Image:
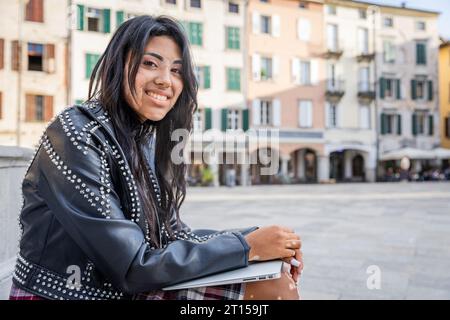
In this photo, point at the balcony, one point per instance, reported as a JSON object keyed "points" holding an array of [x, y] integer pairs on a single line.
{"points": [[365, 57], [333, 53], [335, 89], [366, 90]]}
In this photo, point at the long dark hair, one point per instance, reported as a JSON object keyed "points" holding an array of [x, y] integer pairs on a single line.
{"points": [[106, 86]]}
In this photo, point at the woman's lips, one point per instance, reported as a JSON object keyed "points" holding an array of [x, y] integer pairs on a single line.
{"points": [[161, 103]]}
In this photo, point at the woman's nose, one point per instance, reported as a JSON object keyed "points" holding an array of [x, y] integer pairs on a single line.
{"points": [[163, 78]]}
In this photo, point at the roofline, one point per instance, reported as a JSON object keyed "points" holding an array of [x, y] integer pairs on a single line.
{"points": [[382, 6]]}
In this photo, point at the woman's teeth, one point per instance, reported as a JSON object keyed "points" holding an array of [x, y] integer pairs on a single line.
{"points": [[156, 96]]}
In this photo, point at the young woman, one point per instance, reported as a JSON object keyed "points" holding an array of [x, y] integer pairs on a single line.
{"points": [[100, 217]]}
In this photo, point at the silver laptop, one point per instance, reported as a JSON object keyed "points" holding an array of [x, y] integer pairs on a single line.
{"points": [[255, 271]]}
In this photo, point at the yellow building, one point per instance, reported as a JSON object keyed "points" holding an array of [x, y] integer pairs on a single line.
{"points": [[444, 89]]}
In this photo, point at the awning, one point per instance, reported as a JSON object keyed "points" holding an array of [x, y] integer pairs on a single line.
{"points": [[416, 154]]}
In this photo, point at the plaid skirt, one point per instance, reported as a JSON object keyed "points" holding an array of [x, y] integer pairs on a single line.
{"points": [[226, 292]]}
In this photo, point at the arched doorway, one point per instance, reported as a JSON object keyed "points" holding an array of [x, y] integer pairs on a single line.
{"points": [[337, 165], [358, 168], [262, 160]]}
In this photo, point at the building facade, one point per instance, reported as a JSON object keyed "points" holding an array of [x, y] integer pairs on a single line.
{"points": [[33, 73], [444, 92]]}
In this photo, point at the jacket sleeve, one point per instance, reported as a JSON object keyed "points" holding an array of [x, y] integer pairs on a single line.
{"points": [[185, 229], [74, 181]]}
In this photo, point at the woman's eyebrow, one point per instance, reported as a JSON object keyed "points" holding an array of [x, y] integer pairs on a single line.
{"points": [[160, 57]]}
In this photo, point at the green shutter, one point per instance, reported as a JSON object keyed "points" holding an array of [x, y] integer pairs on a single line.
{"points": [[233, 39], [79, 101], [398, 84], [421, 55], [200, 34], [106, 20], [224, 119], [207, 77], [414, 124], [430, 125], [399, 124], [430, 90], [80, 17], [383, 124], [196, 33], [233, 79], [91, 61], [413, 89], [120, 18], [208, 118], [245, 119], [382, 87]]}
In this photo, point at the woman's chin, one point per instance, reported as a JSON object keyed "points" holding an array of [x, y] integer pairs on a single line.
{"points": [[156, 116]]}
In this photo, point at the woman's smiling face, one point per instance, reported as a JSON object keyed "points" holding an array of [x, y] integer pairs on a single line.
{"points": [[158, 81]]}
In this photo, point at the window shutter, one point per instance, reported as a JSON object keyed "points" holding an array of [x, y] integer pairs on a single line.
{"points": [[120, 18], [447, 127], [207, 77], [256, 20], [413, 89], [80, 17], [48, 108], [276, 66], [414, 124], [399, 89], [430, 125], [383, 124], [15, 55], [2, 49], [303, 29], [276, 26], [256, 112], [30, 107], [224, 119], [382, 87], [295, 70], [430, 90], [314, 71], [276, 114], [50, 57], [256, 67], [399, 124], [106, 20], [245, 123], [208, 118]]}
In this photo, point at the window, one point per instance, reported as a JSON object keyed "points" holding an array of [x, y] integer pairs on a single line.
{"points": [[304, 30], [390, 88], [332, 37], [197, 120], [93, 19], [305, 72], [233, 7], [196, 3], [331, 10], [447, 127], [34, 11], [265, 112], [363, 41], [388, 22], [232, 119], [421, 89], [305, 114], [362, 14], [364, 79], [266, 1], [196, 33], [2, 49], [233, 38], [388, 51], [38, 108], [171, 1], [303, 5], [266, 68], [35, 57], [421, 25], [91, 61], [332, 114], [122, 16], [266, 25], [391, 123], [364, 117], [203, 75], [233, 79], [422, 123], [421, 53]]}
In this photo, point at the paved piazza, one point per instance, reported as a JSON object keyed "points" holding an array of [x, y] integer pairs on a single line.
{"points": [[393, 238]]}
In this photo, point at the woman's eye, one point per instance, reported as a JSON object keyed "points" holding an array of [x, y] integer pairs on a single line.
{"points": [[177, 71], [149, 63]]}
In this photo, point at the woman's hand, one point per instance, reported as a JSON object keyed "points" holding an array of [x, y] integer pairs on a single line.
{"points": [[273, 242]]}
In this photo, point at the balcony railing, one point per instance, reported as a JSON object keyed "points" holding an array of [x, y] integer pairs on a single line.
{"points": [[335, 88], [333, 53], [366, 90], [365, 57]]}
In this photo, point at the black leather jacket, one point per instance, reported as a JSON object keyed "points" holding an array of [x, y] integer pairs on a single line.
{"points": [[83, 233]]}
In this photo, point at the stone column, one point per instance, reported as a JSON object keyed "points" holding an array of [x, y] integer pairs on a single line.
{"points": [[348, 170], [323, 168]]}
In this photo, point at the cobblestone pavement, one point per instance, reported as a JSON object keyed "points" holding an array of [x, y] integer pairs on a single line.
{"points": [[402, 228]]}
